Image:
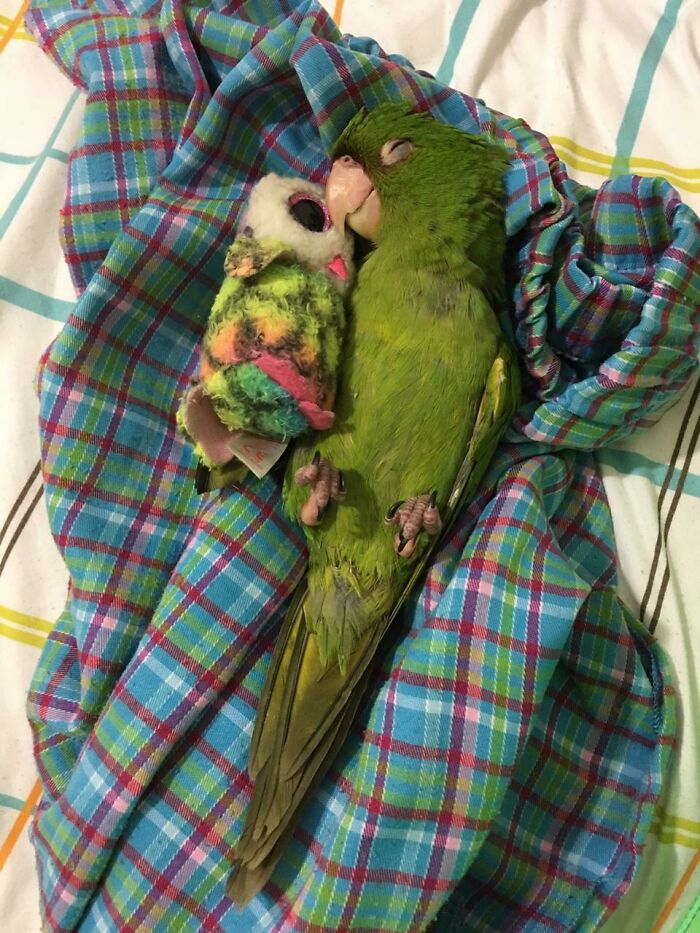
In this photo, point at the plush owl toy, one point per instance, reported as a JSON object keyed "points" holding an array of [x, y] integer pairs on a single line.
{"points": [[272, 345]]}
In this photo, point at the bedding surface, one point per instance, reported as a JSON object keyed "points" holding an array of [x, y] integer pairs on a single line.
{"points": [[613, 97]]}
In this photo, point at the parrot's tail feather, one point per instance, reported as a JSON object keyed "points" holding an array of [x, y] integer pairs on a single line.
{"points": [[308, 704], [259, 752], [249, 878], [341, 609]]}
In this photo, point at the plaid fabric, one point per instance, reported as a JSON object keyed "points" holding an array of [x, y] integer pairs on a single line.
{"points": [[521, 726]]}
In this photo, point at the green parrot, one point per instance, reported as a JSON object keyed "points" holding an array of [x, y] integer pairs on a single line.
{"points": [[427, 387]]}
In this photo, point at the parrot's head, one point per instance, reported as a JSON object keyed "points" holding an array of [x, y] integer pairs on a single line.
{"points": [[286, 219], [400, 173]]}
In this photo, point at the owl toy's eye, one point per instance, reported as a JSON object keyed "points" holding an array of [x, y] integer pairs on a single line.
{"points": [[395, 150], [309, 213]]}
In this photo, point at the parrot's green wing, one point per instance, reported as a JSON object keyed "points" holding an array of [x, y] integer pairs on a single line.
{"points": [[499, 402], [498, 405]]}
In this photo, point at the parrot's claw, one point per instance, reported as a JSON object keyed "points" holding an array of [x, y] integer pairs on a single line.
{"points": [[419, 513], [327, 485], [392, 511]]}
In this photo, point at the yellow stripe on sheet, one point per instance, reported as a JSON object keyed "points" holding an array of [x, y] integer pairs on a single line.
{"points": [[36, 641], [599, 163], [338, 12], [24, 628], [674, 838], [16, 829], [678, 822], [14, 24], [22, 34], [676, 830]]}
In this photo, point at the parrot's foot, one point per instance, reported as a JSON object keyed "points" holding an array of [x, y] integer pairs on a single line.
{"points": [[413, 516], [326, 483]]}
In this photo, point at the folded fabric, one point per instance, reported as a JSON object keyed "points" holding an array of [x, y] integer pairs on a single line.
{"points": [[506, 763]]}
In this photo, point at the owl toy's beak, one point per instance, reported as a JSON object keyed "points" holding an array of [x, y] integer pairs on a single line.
{"points": [[351, 198], [337, 267]]}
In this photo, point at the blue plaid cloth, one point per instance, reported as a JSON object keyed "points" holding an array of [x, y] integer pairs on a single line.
{"points": [[503, 770]]}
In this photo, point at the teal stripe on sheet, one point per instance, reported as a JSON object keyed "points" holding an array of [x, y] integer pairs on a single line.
{"points": [[629, 463], [16, 202], [458, 31], [53, 308], [27, 160], [636, 105], [13, 803]]}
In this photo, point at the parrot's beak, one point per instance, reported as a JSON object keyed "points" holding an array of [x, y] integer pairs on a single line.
{"points": [[351, 198]]}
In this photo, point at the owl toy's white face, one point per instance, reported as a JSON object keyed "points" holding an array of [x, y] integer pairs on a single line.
{"points": [[294, 211]]}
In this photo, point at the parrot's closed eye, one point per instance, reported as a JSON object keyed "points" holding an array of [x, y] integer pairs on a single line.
{"points": [[395, 150], [309, 213]]}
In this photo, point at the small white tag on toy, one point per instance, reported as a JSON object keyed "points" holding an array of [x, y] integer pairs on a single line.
{"points": [[258, 453]]}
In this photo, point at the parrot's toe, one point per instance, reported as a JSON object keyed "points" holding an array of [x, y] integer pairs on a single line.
{"points": [[327, 485], [419, 513]]}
